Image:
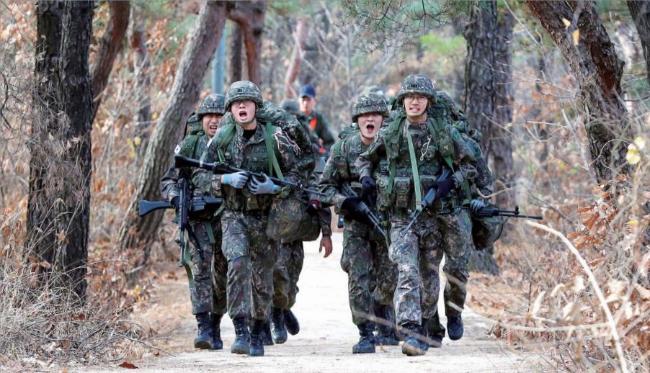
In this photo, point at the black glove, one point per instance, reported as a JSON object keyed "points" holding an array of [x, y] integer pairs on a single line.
{"points": [[444, 186], [352, 208], [369, 190], [476, 205], [175, 202]]}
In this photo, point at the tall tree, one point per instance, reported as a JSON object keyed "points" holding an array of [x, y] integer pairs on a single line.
{"points": [[640, 11], [577, 30], [137, 233], [60, 164], [110, 46], [249, 16], [500, 138], [488, 98]]}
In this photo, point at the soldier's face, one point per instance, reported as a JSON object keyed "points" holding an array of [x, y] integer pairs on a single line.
{"points": [[243, 111], [210, 123], [415, 105], [307, 104], [369, 124]]}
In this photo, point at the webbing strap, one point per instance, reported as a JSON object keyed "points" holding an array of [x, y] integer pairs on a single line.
{"points": [[414, 170], [270, 152]]}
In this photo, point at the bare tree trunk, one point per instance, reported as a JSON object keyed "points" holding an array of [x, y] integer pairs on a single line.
{"points": [[501, 139], [598, 70], [299, 36], [640, 11], [480, 70], [110, 46], [60, 164], [250, 19], [236, 43], [138, 41], [137, 233]]}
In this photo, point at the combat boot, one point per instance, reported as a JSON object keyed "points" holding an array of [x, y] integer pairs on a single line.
{"points": [[217, 343], [455, 327], [203, 338], [241, 345], [279, 332], [433, 331], [366, 344], [386, 326], [290, 321], [413, 346], [257, 344], [267, 340]]}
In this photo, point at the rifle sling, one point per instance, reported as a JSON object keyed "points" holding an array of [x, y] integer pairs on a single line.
{"points": [[414, 171]]}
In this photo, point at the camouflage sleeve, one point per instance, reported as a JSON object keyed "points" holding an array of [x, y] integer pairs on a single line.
{"points": [[368, 159], [329, 181], [325, 218], [168, 187], [324, 132], [206, 181]]}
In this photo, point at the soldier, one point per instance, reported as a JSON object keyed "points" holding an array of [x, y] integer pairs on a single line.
{"points": [[314, 119], [207, 285], [456, 224], [416, 147], [290, 254], [247, 142], [365, 254]]}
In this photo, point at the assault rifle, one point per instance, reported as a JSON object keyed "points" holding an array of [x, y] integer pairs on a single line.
{"points": [[222, 168], [347, 191], [444, 184], [197, 205], [489, 211]]}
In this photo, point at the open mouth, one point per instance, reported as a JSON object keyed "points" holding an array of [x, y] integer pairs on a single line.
{"points": [[370, 127], [213, 126], [242, 114]]}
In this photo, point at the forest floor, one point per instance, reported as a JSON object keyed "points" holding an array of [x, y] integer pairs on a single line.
{"points": [[325, 341]]}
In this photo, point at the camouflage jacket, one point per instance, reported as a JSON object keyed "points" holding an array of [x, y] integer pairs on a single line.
{"points": [[341, 169], [231, 147], [193, 146], [436, 144]]}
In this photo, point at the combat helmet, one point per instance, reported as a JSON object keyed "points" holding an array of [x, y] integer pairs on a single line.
{"points": [[213, 104], [370, 103], [193, 123], [416, 83], [243, 90]]}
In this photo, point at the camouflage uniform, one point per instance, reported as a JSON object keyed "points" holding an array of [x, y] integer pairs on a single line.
{"points": [[207, 263], [371, 275], [245, 244], [417, 252], [455, 223], [290, 255]]}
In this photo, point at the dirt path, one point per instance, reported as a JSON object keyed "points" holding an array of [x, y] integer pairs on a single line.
{"points": [[327, 334]]}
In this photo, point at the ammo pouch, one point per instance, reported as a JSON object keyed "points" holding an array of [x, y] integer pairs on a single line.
{"points": [[289, 221], [402, 191]]}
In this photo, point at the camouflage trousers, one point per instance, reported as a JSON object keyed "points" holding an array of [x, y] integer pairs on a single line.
{"points": [[250, 264], [371, 275], [417, 257], [288, 265], [456, 243], [208, 285]]}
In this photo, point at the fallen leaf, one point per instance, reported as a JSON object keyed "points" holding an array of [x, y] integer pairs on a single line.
{"points": [[566, 22], [576, 37], [127, 365]]}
